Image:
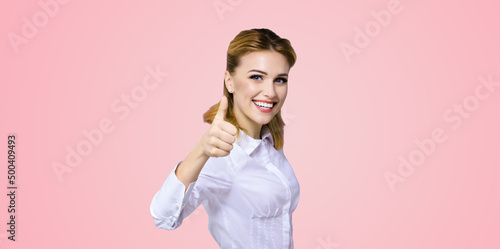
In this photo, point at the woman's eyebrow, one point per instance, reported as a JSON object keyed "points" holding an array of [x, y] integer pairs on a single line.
{"points": [[264, 73]]}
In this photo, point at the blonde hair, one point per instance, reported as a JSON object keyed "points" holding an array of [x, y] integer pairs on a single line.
{"points": [[245, 42]]}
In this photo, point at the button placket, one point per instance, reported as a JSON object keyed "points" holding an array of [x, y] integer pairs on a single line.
{"points": [[286, 208]]}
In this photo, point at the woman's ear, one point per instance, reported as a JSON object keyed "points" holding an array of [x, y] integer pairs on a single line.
{"points": [[228, 81]]}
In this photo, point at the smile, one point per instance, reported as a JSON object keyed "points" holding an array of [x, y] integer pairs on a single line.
{"points": [[264, 106]]}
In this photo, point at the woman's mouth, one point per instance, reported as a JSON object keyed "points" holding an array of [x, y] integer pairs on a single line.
{"points": [[264, 107]]}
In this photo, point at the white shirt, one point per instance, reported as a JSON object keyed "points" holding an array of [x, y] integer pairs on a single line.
{"points": [[249, 196]]}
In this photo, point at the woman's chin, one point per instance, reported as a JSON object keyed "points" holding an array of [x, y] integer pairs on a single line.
{"points": [[263, 121]]}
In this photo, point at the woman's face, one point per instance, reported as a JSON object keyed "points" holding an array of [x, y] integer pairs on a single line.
{"points": [[259, 87]]}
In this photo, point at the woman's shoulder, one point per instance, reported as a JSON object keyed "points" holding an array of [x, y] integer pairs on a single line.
{"points": [[230, 163], [216, 165], [216, 173]]}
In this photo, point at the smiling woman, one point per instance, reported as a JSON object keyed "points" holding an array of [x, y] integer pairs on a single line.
{"points": [[258, 95], [238, 169], [252, 54]]}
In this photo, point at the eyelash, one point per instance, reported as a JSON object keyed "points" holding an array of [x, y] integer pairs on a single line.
{"points": [[283, 79]]}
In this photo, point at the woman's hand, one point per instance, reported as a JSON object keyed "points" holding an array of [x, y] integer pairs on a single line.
{"points": [[219, 138]]}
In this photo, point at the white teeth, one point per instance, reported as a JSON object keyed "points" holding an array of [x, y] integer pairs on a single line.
{"points": [[263, 105]]}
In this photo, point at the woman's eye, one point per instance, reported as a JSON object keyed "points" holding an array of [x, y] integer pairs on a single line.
{"points": [[283, 80], [280, 80], [253, 77]]}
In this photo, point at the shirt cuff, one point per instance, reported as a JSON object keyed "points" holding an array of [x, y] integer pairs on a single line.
{"points": [[168, 203]]}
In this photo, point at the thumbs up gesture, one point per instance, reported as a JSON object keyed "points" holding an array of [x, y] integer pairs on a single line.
{"points": [[219, 138]]}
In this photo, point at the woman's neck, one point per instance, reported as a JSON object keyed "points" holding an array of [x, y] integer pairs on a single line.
{"points": [[254, 132]]}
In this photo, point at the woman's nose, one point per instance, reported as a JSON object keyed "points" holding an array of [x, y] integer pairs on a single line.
{"points": [[269, 90]]}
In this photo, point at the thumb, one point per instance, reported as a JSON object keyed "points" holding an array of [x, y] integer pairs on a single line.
{"points": [[221, 113]]}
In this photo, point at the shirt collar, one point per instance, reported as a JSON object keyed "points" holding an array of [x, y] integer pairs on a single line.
{"points": [[249, 144]]}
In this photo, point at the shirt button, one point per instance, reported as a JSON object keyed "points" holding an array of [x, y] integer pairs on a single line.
{"points": [[177, 205], [171, 218]]}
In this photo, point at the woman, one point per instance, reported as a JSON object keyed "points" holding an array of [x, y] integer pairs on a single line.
{"points": [[238, 170]]}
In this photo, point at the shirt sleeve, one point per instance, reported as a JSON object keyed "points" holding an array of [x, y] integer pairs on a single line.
{"points": [[168, 206], [171, 204]]}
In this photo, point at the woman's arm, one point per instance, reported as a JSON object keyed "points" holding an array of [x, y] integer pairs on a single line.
{"points": [[179, 196], [216, 142], [189, 169]]}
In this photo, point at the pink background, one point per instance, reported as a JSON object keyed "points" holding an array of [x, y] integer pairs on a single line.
{"points": [[349, 118]]}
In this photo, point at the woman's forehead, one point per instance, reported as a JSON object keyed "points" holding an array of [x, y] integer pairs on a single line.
{"points": [[270, 62]]}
